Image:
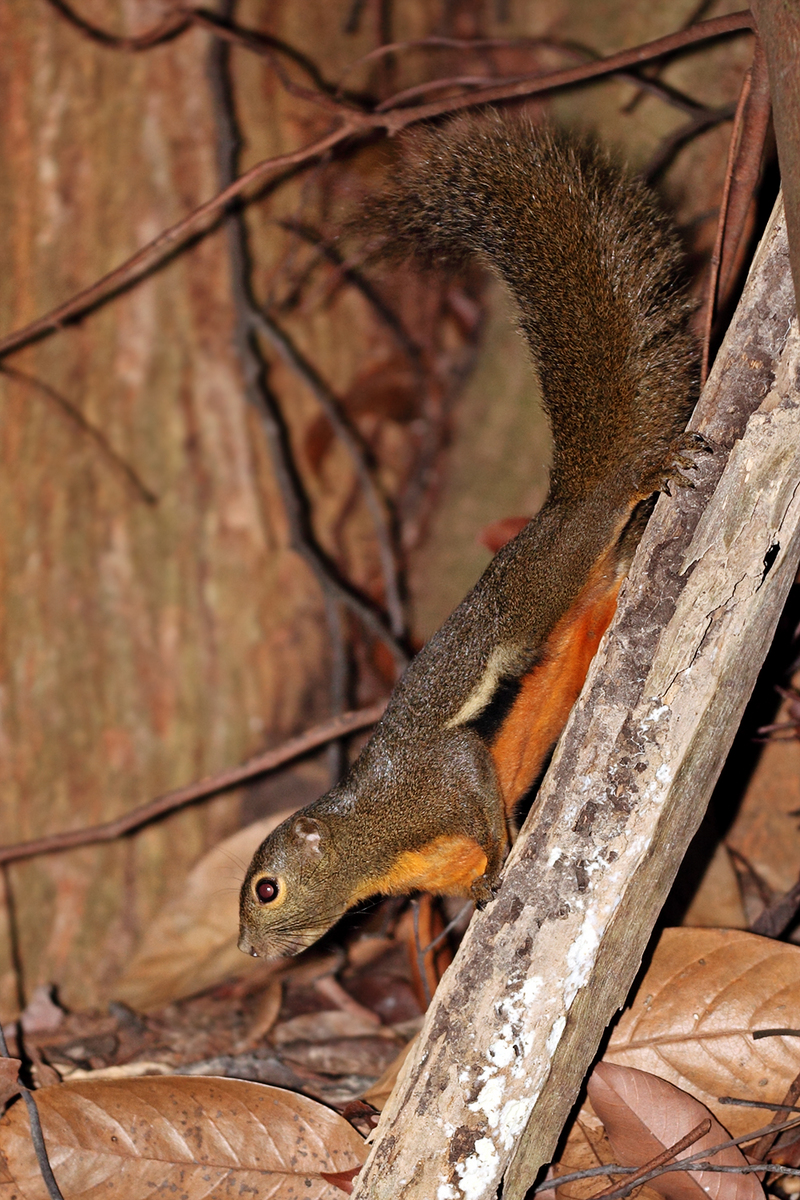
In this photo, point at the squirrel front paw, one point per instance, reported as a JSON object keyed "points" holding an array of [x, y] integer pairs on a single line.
{"points": [[681, 456], [482, 891]]}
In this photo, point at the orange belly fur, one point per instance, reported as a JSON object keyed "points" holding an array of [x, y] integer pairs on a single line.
{"points": [[447, 866], [549, 691]]}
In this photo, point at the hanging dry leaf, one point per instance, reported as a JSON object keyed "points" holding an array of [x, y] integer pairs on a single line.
{"points": [[191, 945], [692, 1019], [196, 1138], [9, 1083], [643, 1115]]}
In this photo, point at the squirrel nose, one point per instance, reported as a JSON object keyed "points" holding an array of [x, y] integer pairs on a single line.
{"points": [[246, 946]]}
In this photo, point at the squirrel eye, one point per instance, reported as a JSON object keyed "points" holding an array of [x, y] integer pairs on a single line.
{"points": [[266, 890]]}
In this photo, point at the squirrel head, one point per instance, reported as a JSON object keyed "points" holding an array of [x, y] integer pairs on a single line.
{"points": [[292, 893]]}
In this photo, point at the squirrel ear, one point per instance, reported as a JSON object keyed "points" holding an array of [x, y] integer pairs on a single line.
{"points": [[307, 832]]}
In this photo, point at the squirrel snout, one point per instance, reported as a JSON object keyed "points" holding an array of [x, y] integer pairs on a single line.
{"points": [[246, 946]]}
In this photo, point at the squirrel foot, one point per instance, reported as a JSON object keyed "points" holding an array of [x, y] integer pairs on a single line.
{"points": [[482, 891]]}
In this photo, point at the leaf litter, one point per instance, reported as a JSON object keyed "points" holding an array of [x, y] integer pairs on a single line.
{"points": [[335, 1025]]}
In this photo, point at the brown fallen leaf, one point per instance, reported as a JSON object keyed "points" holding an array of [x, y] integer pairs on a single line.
{"points": [[191, 944], [643, 1115], [365, 1056], [9, 1082], [332, 1023], [195, 1137], [694, 1014]]}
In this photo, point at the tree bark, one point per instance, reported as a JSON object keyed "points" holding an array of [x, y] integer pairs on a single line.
{"points": [[518, 1017]]}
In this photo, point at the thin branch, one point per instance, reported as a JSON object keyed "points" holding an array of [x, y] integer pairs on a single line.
{"points": [[747, 167], [160, 248], [716, 256], [212, 785], [665, 1156], [517, 90], [171, 26], [694, 1162], [353, 125], [419, 952], [184, 18], [261, 395], [75, 415], [703, 120], [347, 436], [37, 1137], [765, 1143], [741, 1102], [347, 270]]}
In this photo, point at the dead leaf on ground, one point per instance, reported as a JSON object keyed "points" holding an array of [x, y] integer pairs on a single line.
{"points": [[643, 1115], [332, 1023], [191, 944], [9, 1082], [693, 1016], [194, 1137], [365, 1056]]}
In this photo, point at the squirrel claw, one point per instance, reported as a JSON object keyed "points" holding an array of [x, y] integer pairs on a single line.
{"points": [[482, 891], [684, 458]]}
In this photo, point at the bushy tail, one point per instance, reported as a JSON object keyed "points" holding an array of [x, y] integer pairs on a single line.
{"points": [[595, 269]]}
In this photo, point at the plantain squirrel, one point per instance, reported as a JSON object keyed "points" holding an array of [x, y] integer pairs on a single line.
{"points": [[595, 270]]}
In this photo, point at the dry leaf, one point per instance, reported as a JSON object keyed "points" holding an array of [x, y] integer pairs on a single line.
{"points": [[692, 1019], [9, 1083], [191, 944], [320, 1026], [131, 1070], [195, 1138], [365, 1056], [643, 1115]]}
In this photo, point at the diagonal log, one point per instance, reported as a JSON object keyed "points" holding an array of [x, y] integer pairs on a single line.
{"points": [[518, 1017]]}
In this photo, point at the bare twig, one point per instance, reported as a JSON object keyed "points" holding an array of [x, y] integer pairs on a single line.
{"points": [[695, 1163], [765, 1143], [160, 248], [212, 785], [665, 1156], [716, 27], [347, 270], [420, 953], [248, 317], [353, 125], [75, 415], [183, 18], [37, 1137], [716, 256], [670, 145], [267, 325], [741, 178], [171, 26], [755, 123]]}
